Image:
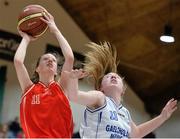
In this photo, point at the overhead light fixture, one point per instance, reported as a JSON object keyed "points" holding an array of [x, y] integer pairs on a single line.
{"points": [[167, 36]]}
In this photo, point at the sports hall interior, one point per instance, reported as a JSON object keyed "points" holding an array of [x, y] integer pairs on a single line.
{"points": [[150, 67]]}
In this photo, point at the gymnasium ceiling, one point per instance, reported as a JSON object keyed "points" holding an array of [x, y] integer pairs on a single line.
{"points": [[151, 67]]}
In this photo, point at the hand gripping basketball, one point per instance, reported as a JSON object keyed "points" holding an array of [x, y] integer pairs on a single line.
{"points": [[29, 20]]}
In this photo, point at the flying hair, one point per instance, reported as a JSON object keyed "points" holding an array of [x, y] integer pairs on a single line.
{"points": [[100, 60]]}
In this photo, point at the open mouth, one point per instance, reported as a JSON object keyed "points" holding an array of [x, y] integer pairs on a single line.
{"points": [[49, 65], [113, 81]]}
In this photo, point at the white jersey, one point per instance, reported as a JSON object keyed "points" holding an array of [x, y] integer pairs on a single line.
{"points": [[108, 121]]}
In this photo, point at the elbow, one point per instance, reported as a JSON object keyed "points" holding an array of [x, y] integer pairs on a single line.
{"points": [[17, 62], [69, 59], [73, 96], [136, 134], [135, 131]]}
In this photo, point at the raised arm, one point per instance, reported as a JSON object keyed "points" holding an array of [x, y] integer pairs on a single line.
{"points": [[147, 127], [19, 57], [64, 45]]}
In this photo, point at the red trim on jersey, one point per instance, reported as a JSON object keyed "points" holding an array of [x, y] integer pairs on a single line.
{"points": [[26, 128], [45, 112], [26, 92]]}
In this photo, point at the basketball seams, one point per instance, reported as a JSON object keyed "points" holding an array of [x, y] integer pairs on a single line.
{"points": [[30, 17], [37, 29], [29, 20]]}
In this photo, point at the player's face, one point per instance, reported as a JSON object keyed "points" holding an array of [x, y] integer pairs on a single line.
{"points": [[48, 63], [112, 80]]}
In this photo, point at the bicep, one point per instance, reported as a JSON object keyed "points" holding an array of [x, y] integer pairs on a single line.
{"points": [[23, 76], [92, 99]]}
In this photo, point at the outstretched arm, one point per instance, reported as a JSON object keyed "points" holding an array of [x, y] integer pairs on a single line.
{"points": [[19, 57], [92, 99], [64, 45], [147, 127]]}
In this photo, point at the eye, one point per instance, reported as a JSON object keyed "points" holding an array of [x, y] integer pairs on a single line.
{"points": [[108, 76], [45, 58], [54, 60]]}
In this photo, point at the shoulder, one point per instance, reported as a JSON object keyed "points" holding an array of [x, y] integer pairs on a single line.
{"points": [[56, 84], [28, 90], [98, 99], [123, 108], [126, 112]]}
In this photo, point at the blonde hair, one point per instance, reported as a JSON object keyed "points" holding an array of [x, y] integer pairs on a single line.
{"points": [[102, 59]]}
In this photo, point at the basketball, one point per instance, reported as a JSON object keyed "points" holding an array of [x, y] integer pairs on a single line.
{"points": [[29, 20]]}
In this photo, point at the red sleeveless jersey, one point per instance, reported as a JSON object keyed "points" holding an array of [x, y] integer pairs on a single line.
{"points": [[45, 112]]}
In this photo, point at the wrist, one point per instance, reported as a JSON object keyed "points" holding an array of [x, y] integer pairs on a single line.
{"points": [[55, 30], [26, 40], [162, 117]]}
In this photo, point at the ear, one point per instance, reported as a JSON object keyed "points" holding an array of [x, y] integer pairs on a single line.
{"points": [[100, 89], [37, 70], [124, 89]]}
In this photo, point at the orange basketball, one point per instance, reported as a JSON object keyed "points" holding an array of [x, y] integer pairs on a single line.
{"points": [[29, 20]]}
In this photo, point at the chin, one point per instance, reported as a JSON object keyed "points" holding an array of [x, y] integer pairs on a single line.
{"points": [[113, 84], [50, 72]]}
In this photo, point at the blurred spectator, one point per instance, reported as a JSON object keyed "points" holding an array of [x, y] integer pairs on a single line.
{"points": [[20, 134], [76, 135], [14, 128], [3, 130]]}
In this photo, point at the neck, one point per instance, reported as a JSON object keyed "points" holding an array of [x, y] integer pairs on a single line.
{"points": [[115, 96], [117, 100], [46, 79]]}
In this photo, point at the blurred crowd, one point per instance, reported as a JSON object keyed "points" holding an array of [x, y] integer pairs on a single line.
{"points": [[11, 129]]}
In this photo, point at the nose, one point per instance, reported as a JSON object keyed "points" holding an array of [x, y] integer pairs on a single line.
{"points": [[113, 77], [50, 60]]}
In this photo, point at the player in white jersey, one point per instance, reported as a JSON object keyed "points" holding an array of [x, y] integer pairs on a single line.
{"points": [[105, 117], [110, 121]]}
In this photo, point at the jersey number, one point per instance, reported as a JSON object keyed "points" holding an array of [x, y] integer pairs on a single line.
{"points": [[113, 115], [35, 99]]}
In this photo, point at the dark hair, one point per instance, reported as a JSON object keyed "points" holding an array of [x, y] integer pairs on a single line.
{"points": [[35, 76]]}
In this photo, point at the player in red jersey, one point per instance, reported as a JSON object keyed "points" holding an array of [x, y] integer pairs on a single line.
{"points": [[44, 107]]}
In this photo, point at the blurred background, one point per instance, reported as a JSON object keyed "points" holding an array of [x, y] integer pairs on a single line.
{"points": [[151, 66]]}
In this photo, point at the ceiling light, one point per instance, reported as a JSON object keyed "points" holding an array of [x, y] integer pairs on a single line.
{"points": [[167, 36]]}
